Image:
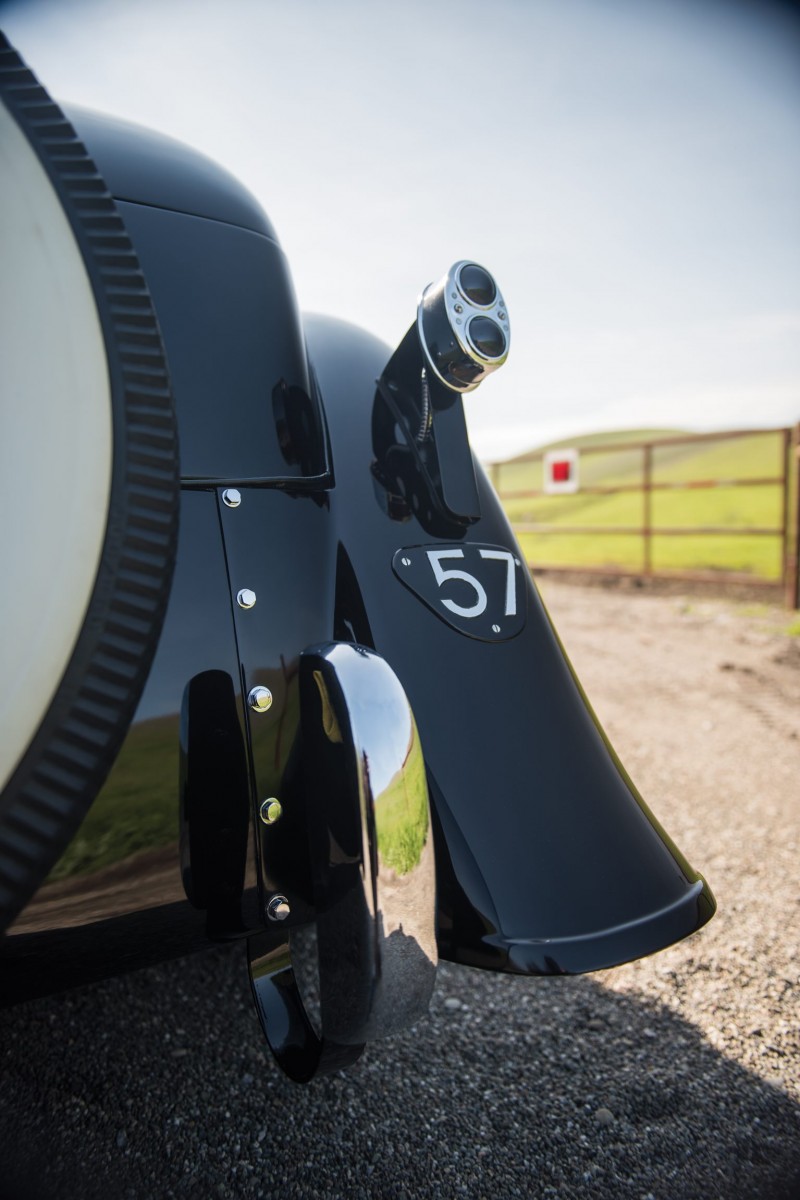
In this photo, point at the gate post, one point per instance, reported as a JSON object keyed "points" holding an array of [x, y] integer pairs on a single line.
{"points": [[647, 488], [791, 560]]}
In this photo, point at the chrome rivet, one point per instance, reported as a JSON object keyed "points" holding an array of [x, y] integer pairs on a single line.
{"points": [[232, 497], [501, 316], [406, 562], [259, 699], [278, 908], [270, 810], [495, 629], [459, 308], [245, 598]]}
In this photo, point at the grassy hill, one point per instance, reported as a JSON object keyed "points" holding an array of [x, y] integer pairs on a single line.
{"points": [[753, 456]]}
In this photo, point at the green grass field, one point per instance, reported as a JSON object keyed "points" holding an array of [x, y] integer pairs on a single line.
{"points": [[755, 455]]}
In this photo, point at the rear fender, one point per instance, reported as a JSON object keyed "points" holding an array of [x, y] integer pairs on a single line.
{"points": [[548, 860]]}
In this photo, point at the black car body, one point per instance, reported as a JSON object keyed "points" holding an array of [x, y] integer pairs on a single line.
{"points": [[313, 683]]}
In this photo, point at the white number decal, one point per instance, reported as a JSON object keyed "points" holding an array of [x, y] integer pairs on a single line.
{"points": [[511, 584], [442, 575], [435, 558]]}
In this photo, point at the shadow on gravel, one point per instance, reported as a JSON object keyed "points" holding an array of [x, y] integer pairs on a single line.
{"points": [[158, 1085]]}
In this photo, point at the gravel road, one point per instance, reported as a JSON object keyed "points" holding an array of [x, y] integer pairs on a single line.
{"points": [[670, 1079]]}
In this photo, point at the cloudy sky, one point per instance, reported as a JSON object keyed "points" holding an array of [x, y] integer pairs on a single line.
{"points": [[629, 170]]}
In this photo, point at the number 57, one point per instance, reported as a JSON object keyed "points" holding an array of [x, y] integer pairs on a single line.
{"points": [[435, 557]]}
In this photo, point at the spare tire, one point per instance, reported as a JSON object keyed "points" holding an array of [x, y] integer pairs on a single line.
{"points": [[89, 482]]}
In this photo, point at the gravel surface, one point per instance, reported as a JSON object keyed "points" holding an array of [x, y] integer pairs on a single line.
{"points": [[672, 1078]]}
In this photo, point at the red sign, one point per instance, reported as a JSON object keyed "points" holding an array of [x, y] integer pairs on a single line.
{"points": [[561, 471]]}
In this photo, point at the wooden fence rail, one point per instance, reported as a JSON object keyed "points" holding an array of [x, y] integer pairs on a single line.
{"points": [[788, 530]]}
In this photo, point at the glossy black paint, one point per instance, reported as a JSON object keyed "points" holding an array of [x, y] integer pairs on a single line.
{"points": [[246, 405], [369, 838], [368, 841], [297, 1046], [430, 477], [116, 899], [227, 311], [145, 167], [247, 410], [184, 794], [214, 800], [283, 548], [548, 861]]}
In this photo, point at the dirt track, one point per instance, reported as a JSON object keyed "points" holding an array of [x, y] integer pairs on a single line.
{"points": [[676, 1078], [701, 699]]}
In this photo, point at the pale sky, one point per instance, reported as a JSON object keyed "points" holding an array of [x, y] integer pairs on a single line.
{"points": [[628, 169]]}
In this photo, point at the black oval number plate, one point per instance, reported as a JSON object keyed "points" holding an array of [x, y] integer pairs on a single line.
{"points": [[475, 588]]}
